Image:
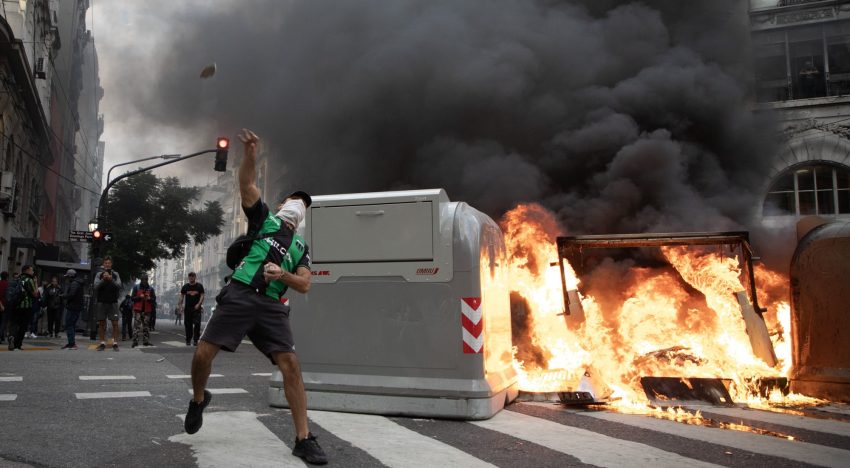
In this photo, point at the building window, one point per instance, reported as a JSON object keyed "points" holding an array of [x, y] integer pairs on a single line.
{"points": [[808, 75], [838, 51], [803, 62], [812, 189], [771, 67]]}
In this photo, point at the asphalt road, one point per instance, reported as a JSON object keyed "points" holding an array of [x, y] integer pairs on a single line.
{"points": [[85, 408]]}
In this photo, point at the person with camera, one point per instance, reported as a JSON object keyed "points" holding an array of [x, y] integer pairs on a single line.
{"points": [[107, 289]]}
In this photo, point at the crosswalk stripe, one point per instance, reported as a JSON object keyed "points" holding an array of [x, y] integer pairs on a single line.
{"points": [[107, 377], [11, 379], [176, 344], [95, 395], [391, 443], [765, 445], [8, 397], [790, 420], [262, 374], [188, 376], [223, 391], [588, 446], [237, 439]]}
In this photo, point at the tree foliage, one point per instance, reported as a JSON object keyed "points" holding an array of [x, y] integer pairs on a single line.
{"points": [[152, 218]]}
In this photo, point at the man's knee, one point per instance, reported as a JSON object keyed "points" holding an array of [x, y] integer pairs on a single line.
{"points": [[288, 363], [205, 352]]}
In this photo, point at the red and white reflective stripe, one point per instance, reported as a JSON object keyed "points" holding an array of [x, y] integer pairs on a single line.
{"points": [[473, 325], [284, 301]]}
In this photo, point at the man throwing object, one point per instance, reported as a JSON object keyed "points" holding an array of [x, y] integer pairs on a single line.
{"points": [[251, 303]]}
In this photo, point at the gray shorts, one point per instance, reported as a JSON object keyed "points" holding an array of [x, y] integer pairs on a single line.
{"points": [[106, 311], [243, 311]]}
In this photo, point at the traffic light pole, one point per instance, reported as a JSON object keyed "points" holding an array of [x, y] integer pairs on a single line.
{"points": [[97, 246], [102, 214]]}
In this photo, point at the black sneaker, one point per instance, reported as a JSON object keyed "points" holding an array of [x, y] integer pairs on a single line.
{"points": [[195, 416], [115, 346], [147, 343], [101, 347], [309, 450]]}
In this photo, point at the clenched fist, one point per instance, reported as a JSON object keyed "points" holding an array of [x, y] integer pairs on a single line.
{"points": [[272, 272]]}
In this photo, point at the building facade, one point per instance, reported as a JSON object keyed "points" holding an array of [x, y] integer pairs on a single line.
{"points": [[89, 148], [802, 65], [50, 153], [29, 41]]}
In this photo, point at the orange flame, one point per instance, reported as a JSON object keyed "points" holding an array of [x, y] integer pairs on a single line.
{"points": [[679, 320]]}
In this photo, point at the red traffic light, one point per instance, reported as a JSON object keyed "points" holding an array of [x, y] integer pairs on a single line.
{"points": [[223, 143], [97, 234]]}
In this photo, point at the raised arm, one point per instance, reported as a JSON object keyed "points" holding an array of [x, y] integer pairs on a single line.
{"points": [[248, 189]]}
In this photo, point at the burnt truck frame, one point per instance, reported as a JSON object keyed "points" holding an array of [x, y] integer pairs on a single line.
{"points": [[669, 391]]}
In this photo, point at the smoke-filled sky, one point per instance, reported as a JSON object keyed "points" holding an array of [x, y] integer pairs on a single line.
{"points": [[619, 116]]}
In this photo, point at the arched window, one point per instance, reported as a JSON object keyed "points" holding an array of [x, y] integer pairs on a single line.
{"points": [[810, 189]]}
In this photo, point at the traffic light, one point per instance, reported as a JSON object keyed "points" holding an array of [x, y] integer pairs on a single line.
{"points": [[221, 147], [97, 236]]}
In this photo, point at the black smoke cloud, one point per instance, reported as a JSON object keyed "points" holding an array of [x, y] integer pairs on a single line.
{"points": [[619, 116]]}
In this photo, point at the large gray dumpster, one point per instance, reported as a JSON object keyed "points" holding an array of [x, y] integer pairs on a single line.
{"points": [[409, 308]]}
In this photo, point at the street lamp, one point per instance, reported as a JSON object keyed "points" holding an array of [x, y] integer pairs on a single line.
{"points": [[92, 224], [161, 156]]}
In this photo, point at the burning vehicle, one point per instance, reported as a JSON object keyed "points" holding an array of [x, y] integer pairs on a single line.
{"points": [[662, 319]]}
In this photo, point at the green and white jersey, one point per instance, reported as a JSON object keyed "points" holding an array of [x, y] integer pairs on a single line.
{"points": [[284, 248]]}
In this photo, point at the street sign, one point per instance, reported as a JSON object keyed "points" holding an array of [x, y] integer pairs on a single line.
{"points": [[87, 236], [79, 236]]}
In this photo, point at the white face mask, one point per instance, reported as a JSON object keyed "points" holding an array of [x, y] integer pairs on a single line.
{"points": [[293, 212]]}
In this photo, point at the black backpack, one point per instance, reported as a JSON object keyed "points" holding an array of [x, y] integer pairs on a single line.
{"points": [[240, 247], [14, 293]]}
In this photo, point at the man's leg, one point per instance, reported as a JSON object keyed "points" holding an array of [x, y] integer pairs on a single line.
{"points": [[13, 327], [51, 318], [70, 326], [115, 331], [293, 389], [137, 327], [196, 325], [4, 317], [22, 320], [101, 330], [201, 368], [146, 328], [33, 324], [187, 327]]}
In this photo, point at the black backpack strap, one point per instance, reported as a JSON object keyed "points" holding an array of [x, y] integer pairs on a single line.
{"points": [[252, 239]]}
